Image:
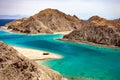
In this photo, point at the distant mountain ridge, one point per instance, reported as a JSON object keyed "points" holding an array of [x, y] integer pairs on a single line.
{"points": [[46, 21], [11, 16]]}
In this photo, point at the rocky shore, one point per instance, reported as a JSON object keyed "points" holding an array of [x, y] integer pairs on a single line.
{"points": [[14, 66]]}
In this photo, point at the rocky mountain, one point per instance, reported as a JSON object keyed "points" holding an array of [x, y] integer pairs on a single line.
{"points": [[99, 21], [46, 21], [14, 66], [97, 30]]}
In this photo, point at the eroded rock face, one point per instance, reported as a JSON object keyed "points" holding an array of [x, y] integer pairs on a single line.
{"points": [[46, 21], [14, 66], [97, 30]]}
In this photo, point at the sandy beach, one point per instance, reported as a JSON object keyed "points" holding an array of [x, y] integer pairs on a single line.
{"points": [[63, 32], [36, 54]]}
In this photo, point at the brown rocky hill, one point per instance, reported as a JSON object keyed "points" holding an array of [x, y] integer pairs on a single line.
{"points": [[46, 21], [99, 21], [97, 30], [14, 66]]}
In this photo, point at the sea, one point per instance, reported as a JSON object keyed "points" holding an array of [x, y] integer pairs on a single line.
{"points": [[80, 61], [4, 21]]}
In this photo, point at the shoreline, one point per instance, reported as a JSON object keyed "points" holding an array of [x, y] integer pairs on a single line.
{"points": [[63, 32], [37, 55], [92, 44], [67, 32], [15, 32]]}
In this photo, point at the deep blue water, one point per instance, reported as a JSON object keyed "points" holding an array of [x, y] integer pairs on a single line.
{"points": [[80, 62], [4, 21]]}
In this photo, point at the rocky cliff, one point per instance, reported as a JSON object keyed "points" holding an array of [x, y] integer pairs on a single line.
{"points": [[46, 21], [14, 66], [97, 30]]}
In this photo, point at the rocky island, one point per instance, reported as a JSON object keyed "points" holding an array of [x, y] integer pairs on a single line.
{"points": [[97, 30], [14, 66], [46, 21]]}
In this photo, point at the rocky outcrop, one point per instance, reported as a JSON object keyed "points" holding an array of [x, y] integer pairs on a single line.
{"points": [[46, 21], [97, 30], [14, 66]]}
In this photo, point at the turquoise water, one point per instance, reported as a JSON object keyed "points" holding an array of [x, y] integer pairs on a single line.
{"points": [[80, 62]]}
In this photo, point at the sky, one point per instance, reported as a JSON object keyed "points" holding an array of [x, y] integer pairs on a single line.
{"points": [[84, 9]]}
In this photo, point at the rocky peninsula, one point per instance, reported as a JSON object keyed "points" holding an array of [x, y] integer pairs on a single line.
{"points": [[97, 30], [46, 21]]}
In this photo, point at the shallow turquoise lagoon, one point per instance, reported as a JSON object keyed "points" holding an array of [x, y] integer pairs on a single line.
{"points": [[80, 62]]}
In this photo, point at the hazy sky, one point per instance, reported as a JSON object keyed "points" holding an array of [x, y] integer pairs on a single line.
{"points": [[82, 8]]}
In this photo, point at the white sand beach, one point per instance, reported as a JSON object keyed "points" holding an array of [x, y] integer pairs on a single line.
{"points": [[37, 54]]}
